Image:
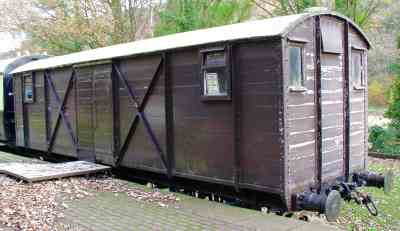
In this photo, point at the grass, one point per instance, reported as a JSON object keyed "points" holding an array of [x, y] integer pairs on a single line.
{"points": [[356, 217], [380, 109]]}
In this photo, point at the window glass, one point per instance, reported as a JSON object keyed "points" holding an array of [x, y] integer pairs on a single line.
{"points": [[331, 39], [215, 83], [295, 63], [215, 75], [28, 89], [356, 64], [215, 59]]}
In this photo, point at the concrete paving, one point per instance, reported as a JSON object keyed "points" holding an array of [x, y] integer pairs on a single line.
{"points": [[108, 211], [116, 211]]}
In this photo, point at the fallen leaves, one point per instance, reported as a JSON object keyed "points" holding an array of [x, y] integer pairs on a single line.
{"points": [[38, 206]]}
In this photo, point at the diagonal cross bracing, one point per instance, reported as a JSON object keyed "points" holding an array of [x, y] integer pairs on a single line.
{"points": [[61, 111], [140, 115]]}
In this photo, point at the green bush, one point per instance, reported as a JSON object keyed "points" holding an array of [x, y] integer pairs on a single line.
{"points": [[384, 140], [393, 111]]}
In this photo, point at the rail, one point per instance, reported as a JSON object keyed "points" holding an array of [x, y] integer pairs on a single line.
{"points": [[384, 155]]}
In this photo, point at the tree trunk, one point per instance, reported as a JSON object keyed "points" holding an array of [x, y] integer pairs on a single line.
{"points": [[118, 22]]}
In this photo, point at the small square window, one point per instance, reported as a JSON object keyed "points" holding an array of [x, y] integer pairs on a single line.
{"points": [[28, 81], [215, 77], [296, 78], [215, 83], [357, 78]]}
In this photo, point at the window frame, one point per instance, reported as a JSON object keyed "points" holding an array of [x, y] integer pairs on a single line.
{"points": [[301, 87], [329, 29], [32, 76], [226, 69], [360, 84]]}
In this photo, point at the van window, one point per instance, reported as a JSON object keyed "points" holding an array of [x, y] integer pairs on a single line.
{"points": [[28, 88], [296, 78], [331, 32], [215, 74], [357, 77]]}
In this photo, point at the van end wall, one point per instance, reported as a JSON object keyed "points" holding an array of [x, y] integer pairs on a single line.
{"points": [[301, 112]]}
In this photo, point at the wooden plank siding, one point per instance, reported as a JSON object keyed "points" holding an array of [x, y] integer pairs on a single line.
{"points": [[139, 73], [18, 108], [301, 114], [203, 129], [94, 112], [332, 97], [62, 144], [259, 70], [300, 111], [36, 120], [358, 110]]}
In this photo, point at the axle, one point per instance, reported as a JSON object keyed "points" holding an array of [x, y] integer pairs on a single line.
{"points": [[375, 180]]}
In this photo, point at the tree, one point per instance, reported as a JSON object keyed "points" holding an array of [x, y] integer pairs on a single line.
{"points": [[393, 111], [186, 15], [360, 11], [65, 26]]}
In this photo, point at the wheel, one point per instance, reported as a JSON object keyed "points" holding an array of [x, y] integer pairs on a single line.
{"points": [[333, 205]]}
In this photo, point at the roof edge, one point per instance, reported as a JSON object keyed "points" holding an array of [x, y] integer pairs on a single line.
{"points": [[328, 13], [277, 29]]}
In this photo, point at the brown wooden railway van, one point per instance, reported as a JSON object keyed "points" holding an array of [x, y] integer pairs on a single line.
{"points": [[275, 108]]}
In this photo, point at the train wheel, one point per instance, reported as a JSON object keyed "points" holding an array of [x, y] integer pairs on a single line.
{"points": [[333, 205]]}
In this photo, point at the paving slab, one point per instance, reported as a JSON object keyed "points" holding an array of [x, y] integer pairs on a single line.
{"points": [[108, 211], [33, 172]]}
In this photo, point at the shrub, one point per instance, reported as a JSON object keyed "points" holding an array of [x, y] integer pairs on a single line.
{"points": [[384, 140]]}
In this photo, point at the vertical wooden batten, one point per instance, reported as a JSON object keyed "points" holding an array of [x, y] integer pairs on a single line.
{"points": [[116, 115], [46, 107], [24, 112], [283, 123], [169, 115], [236, 103], [318, 138], [346, 103]]}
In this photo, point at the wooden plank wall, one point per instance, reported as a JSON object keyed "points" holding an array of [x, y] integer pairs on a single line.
{"points": [[102, 106], [63, 144], [258, 67], [300, 115], [94, 112], [203, 129], [332, 108], [18, 107], [358, 113], [36, 121], [141, 152]]}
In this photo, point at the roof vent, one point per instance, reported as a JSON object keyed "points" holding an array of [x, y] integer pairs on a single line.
{"points": [[316, 10]]}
